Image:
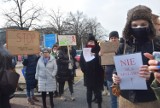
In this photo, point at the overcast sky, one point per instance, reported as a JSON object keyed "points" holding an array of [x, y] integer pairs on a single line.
{"points": [[110, 13]]}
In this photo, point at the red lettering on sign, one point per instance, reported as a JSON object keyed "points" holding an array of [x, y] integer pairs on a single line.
{"points": [[73, 39], [127, 62]]}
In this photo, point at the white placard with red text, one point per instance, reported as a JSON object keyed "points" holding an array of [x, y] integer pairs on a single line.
{"points": [[128, 67]]}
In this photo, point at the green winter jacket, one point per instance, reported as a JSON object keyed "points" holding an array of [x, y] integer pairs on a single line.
{"points": [[156, 89]]}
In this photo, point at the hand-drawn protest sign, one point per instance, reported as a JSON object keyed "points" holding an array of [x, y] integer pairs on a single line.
{"points": [[128, 67], [50, 40], [65, 40], [108, 50], [22, 42]]}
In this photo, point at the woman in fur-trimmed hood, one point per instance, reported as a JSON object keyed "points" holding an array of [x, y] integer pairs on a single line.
{"points": [[138, 12], [139, 34]]}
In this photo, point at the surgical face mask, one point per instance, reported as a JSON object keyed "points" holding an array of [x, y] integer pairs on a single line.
{"points": [[141, 34]]}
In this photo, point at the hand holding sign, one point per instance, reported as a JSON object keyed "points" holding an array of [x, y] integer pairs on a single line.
{"points": [[128, 69]]}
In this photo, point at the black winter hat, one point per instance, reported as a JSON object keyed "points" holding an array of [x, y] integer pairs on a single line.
{"points": [[91, 37], [113, 34]]}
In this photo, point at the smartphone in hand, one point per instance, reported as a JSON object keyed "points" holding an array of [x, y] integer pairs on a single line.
{"points": [[156, 55]]}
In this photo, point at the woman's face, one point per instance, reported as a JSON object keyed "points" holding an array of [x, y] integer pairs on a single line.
{"points": [[54, 49], [46, 54], [139, 24], [91, 42]]}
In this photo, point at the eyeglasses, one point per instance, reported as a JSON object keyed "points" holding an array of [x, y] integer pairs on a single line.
{"points": [[45, 52]]}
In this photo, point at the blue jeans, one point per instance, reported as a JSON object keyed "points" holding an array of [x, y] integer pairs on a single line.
{"points": [[114, 103], [30, 93]]}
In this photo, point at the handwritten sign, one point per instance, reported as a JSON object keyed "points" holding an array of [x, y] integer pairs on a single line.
{"points": [[65, 40], [127, 67], [88, 56], [107, 59], [109, 47], [23, 42], [108, 50], [50, 40]]}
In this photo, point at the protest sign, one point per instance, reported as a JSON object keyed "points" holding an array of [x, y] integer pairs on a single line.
{"points": [[109, 47], [22, 42], [65, 40], [128, 67], [88, 56], [50, 40], [108, 50], [107, 59]]}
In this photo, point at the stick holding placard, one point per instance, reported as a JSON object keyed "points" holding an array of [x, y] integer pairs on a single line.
{"points": [[67, 40]]}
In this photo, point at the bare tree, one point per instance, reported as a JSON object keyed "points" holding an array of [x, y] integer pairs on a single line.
{"points": [[81, 26], [57, 22], [76, 24], [20, 16]]}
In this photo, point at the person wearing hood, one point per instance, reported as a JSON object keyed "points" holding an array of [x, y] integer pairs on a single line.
{"points": [[139, 34], [93, 77]]}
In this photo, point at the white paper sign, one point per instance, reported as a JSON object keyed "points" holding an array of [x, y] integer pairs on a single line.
{"points": [[127, 67], [88, 56]]}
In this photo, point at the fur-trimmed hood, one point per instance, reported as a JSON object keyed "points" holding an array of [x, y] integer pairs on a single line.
{"points": [[138, 12]]}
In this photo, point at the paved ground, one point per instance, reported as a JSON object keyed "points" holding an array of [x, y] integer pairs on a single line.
{"points": [[20, 100], [80, 102]]}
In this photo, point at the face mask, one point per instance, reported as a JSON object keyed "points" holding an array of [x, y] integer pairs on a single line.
{"points": [[90, 46], [141, 34]]}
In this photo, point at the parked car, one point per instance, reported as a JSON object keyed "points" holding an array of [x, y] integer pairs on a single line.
{"points": [[78, 54]]}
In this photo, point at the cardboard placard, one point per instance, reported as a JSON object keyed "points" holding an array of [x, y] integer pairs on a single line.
{"points": [[107, 59], [108, 50], [21, 42], [109, 47]]}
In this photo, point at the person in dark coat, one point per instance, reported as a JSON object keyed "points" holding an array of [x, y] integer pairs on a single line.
{"points": [[30, 62], [5, 88], [139, 36], [93, 73], [65, 73]]}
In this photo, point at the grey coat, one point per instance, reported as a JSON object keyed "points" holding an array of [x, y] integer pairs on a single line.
{"points": [[46, 74]]}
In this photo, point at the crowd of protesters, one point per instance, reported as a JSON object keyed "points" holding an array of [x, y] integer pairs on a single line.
{"points": [[53, 67]]}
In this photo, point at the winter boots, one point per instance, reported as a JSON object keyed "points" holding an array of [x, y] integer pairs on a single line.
{"points": [[30, 101]]}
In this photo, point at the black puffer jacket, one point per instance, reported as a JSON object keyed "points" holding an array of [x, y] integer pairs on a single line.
{"points": [[139, 95], [63, 73]]}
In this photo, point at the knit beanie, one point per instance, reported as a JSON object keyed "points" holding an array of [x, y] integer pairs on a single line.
{"points": [[91, 37], [113, 34]]}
